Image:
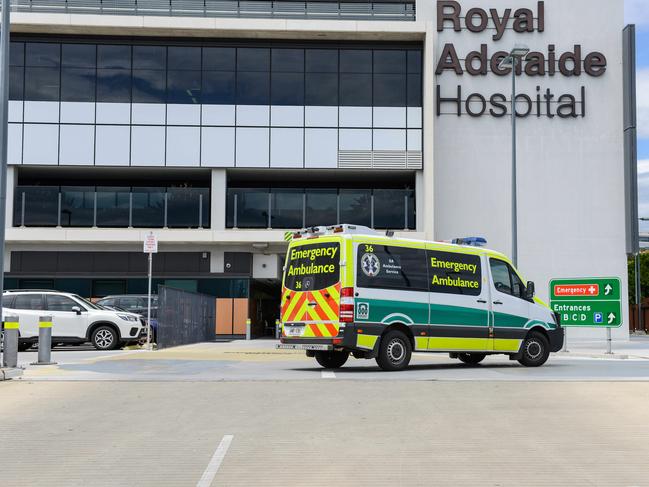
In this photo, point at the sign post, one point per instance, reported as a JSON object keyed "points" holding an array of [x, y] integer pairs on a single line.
{"points": [[150, 247], [588, 302]]}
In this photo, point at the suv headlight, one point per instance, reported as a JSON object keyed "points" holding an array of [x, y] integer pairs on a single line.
{"points": [[127, 317]]}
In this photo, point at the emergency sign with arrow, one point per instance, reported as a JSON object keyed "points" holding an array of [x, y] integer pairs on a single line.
{"points": [[593, 302]]}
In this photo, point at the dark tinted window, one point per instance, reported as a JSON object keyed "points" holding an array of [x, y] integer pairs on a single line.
{"points": [[218, 88], [16, 80], [414, 90], [107, 302], [148, 86], [42, 84], [518, 288], [78, 84], [287, 60], [382, 266], [414, 61], [114, 56], [500, 276], [43, 54], [287, 89], [219, 58], [17, 54], [184, 87], [355, 206], [321, 207], [184, 57], [312, 266], [253, 88], [7, 301], [321, 60], [60, 303], [286, 207], [253, 59], [149, 57], [78, 55], [356, 90], [28, 301], [321, 89], [390, 62], [454, 273], [355, 61], [390, 90], [114, 85]]}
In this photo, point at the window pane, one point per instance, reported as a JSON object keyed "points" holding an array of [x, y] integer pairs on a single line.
{"points": [[77, 84], [42, 84], [219, 58], [41, 206], [252, 88], [114, 85], [29, 301], [321, 60], [355, 206], [184, 57], [252, 207], [288, 60], [253, 59], [454, 273], [392, 61], [286, 208], [184, 87], [412, 220], [390, 90], [518, 288], [356, 90], [112, 207], [313, 267], [321, 207], [287, 89], [218, 88], [114, 57], [77, 206], [321, 89], [149, 57], [414, 90], [392, 268], [60, 303], [43, 54], [500, 276], [148, 207], [16, 80], [148, 86], [17, 54], [355, 61], [79, 55], [389, 208], [183, 207], [414, 61]]}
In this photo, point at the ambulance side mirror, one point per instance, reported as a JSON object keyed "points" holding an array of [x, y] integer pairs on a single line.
{"points": [[529, 291]]}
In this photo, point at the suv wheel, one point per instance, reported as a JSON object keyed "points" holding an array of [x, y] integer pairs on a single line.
{"points": [[104, 338]]}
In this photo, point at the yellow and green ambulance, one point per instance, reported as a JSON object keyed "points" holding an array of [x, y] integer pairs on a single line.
{"points": [[349, 290]]}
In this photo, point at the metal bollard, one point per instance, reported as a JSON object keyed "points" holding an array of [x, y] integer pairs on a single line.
{"points": [[248, 323], [44, 341], [10, 346], [278, 327]]}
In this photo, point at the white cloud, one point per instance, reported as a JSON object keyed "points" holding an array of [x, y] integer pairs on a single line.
{"points": [[636, 12], [642, 93]]}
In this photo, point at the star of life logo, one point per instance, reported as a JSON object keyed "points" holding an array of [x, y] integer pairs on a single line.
{"points": [[370, 265]]}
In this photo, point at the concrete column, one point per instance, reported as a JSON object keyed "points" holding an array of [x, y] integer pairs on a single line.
{"points": [[428, 207], [217, 199], [11, 186]]}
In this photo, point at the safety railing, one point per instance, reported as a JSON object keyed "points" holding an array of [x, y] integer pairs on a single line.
{"points": [[282, 9]]}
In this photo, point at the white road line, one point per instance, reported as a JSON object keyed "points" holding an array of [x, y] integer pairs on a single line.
{"points": [[328, 374], [215, 462]]}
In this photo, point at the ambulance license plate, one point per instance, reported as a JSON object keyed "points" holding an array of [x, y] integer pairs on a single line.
{"points": [[294, 331]]}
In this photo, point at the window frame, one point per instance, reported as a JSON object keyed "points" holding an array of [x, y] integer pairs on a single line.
{"points": [[510, 272], [58, 296], [42, 299]]}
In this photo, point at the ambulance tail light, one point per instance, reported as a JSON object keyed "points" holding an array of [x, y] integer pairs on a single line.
{"points": [[347, 305]]}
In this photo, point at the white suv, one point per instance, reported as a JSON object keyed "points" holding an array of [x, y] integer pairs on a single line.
{"points": [[74, 319]]}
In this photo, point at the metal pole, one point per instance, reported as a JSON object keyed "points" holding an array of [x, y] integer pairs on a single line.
{"points": [[638, 293], [608, 341], [148, 305], [44, 341], [565, 341], [514, 194], [4, 118], [10, 345], [248, 330], [277, 329]]}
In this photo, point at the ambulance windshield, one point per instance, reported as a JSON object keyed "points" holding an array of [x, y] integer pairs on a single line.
{"points": [[312, 267]]}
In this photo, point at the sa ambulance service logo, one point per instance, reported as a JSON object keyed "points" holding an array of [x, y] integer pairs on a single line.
{"points": [[370, 265]]}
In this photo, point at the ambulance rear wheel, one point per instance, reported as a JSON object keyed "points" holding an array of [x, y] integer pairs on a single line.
{"points": [[535, 351], [394, 352], [472, 358], [331, 360]]}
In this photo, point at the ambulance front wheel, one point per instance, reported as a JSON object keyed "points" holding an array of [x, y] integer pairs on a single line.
{"points": [[331, 360], [535, 351], [395, 351]]}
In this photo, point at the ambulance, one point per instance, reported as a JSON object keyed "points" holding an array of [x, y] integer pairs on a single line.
{"points": [[348, 290]]}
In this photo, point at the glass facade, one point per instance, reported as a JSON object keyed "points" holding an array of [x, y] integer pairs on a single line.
{"points": [[290, 208], [116, 207], [318, 75]]}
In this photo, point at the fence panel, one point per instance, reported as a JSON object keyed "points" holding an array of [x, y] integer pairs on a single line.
{"points": [[184, 317]]}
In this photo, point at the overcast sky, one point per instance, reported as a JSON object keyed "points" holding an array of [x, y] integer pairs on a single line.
{"points": [[637, 12]]}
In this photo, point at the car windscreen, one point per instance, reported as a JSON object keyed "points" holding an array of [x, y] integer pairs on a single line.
{"points": [[85, 302], [313, 266]]}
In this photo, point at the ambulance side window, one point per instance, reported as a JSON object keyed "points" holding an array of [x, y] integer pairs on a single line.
{"points": [[505, 279], [391, 267]]}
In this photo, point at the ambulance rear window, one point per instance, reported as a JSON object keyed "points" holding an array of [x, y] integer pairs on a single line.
{"points": [[312, 267]]}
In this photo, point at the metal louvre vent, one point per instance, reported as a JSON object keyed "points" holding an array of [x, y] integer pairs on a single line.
{"points": [[365, 159]]}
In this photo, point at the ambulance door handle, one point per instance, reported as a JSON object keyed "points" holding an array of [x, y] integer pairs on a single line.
{"points": [[482, 301], [312, 303], [498, 302]]}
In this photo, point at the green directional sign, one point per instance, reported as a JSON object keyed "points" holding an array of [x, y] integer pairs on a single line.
{"points": [[587, 302]]}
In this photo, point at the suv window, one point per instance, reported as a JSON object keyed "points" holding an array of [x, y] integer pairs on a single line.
{"points": [[60, 303], [391, 267], [108, 302], [29, 301], [129, 303], [505, 279], [7, 301]]}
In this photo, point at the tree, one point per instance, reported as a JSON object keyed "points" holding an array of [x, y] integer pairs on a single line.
{"points": [[644, 277]]}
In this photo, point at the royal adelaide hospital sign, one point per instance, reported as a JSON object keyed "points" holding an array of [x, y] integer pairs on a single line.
{"points": [[546, 63]]}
